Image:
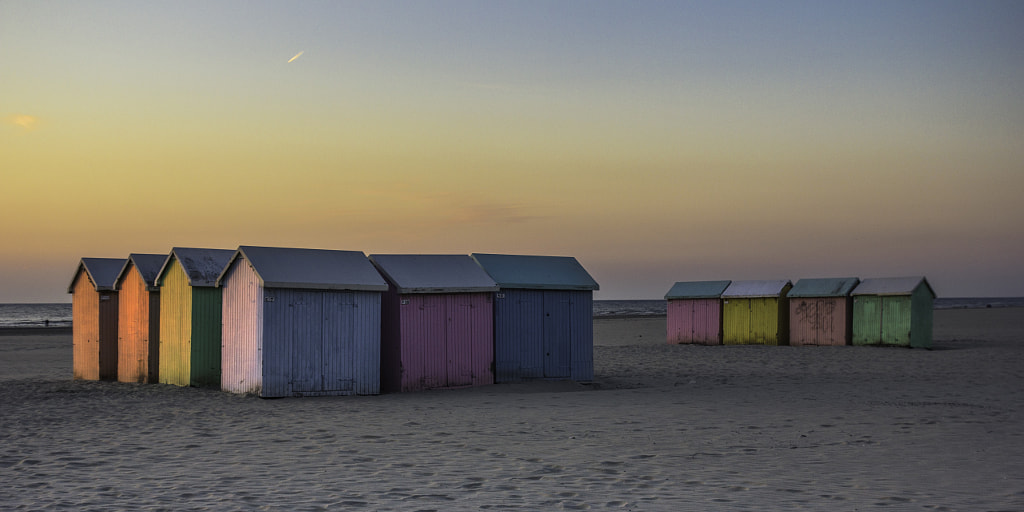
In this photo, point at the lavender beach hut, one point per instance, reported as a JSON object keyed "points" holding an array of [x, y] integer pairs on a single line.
{"points": [[94, 318], [821, 311], [893, 311], [190, 309], [694, 312], [543, 317], [138, 319], [300, 322], [756, 313], [437, 326]]}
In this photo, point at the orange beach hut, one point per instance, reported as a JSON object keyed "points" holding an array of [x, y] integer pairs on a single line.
{"points": [[94, 318], [138, 319]]}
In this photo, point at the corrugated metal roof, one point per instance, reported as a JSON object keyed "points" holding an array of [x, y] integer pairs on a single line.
{"points": [[891, 286], [202, 266], [536, 272], [102, 271], [319, 269], [770, 288], [823, 287], [148, 264], [697, 290], [433, 273]]}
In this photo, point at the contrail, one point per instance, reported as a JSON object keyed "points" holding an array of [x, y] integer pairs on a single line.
{"points": [[296, 55]]}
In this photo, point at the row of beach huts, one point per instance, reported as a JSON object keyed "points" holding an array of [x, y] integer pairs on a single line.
{"points": [[277, 322], [821, 311], [280, 322]]}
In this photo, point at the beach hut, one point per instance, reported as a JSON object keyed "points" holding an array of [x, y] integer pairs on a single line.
{"points": [[821, 311], [190, 312], [94, 318], [694, 312], [300, 322], [893, 311], [138, 318], [756, 313], [543, 317], [437, 322]]}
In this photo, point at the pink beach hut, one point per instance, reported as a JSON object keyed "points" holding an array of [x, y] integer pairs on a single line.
{"points": [[138, 319], [437, 326], [94, 318], [694, 312], [821, 311]]}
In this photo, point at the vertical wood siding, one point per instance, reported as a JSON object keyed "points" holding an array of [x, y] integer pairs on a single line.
{"points": [[133, 328], [820, 321], [207, 307], [696, 321], [85, 329], [755, 321], [581, 318], [318, 343], [446, 340], [153, 351], [543, 334], [391, 341], [242, 330], [175, 326], [867, 320], [108, 335], [921, 320], [518, 335]]}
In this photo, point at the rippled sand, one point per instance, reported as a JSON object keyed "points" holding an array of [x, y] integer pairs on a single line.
{"points": [[663, 427]]}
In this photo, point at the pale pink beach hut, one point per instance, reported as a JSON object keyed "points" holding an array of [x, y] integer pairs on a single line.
{"points": [[437, 317], [694, 312]]}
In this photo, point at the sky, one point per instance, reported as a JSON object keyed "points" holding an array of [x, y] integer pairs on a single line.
{"points": [[654, 141]]}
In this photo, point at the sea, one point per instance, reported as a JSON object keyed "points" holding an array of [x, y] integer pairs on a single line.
{"points": [[59, 314]]}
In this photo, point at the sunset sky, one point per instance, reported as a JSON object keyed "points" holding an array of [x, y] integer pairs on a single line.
{"points": [[654, 141]]}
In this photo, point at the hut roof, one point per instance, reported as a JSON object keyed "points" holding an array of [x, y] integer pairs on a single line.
{"points": [[202, 266], [148, 265], [755, 289], [891, 286], [318, 269], [433, 273], [102, 272], [697, 290], [823, 287], [536, 272]]}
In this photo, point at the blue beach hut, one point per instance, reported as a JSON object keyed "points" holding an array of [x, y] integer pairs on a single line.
{"points": [[543, 317]]}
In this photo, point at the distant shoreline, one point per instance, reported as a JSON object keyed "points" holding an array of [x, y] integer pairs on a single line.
{"points": [[35, 331]]}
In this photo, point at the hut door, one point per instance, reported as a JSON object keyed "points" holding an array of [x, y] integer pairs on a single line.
{"points": [[896, 320], [304, 335], [459, 340], [867, 320], [338, 343], [557, 362]]}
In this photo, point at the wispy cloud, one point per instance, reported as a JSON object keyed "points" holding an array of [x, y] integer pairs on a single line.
{"points": [[297, 55], [26, 122]]}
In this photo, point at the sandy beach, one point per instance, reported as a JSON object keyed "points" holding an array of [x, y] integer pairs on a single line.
{"points": [[662, 427]]}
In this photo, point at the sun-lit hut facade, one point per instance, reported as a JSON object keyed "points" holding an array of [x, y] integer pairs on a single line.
{"points": [[893, 311], [190, 316], [94, 318], [300, 322], [437, 327], [821, 311], [138, 319], [756, 313], [543, 317], [694, 312]]}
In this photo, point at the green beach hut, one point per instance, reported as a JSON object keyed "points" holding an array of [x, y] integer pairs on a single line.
{"points": [[190, 316], [893, 311], [756, 313]]}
